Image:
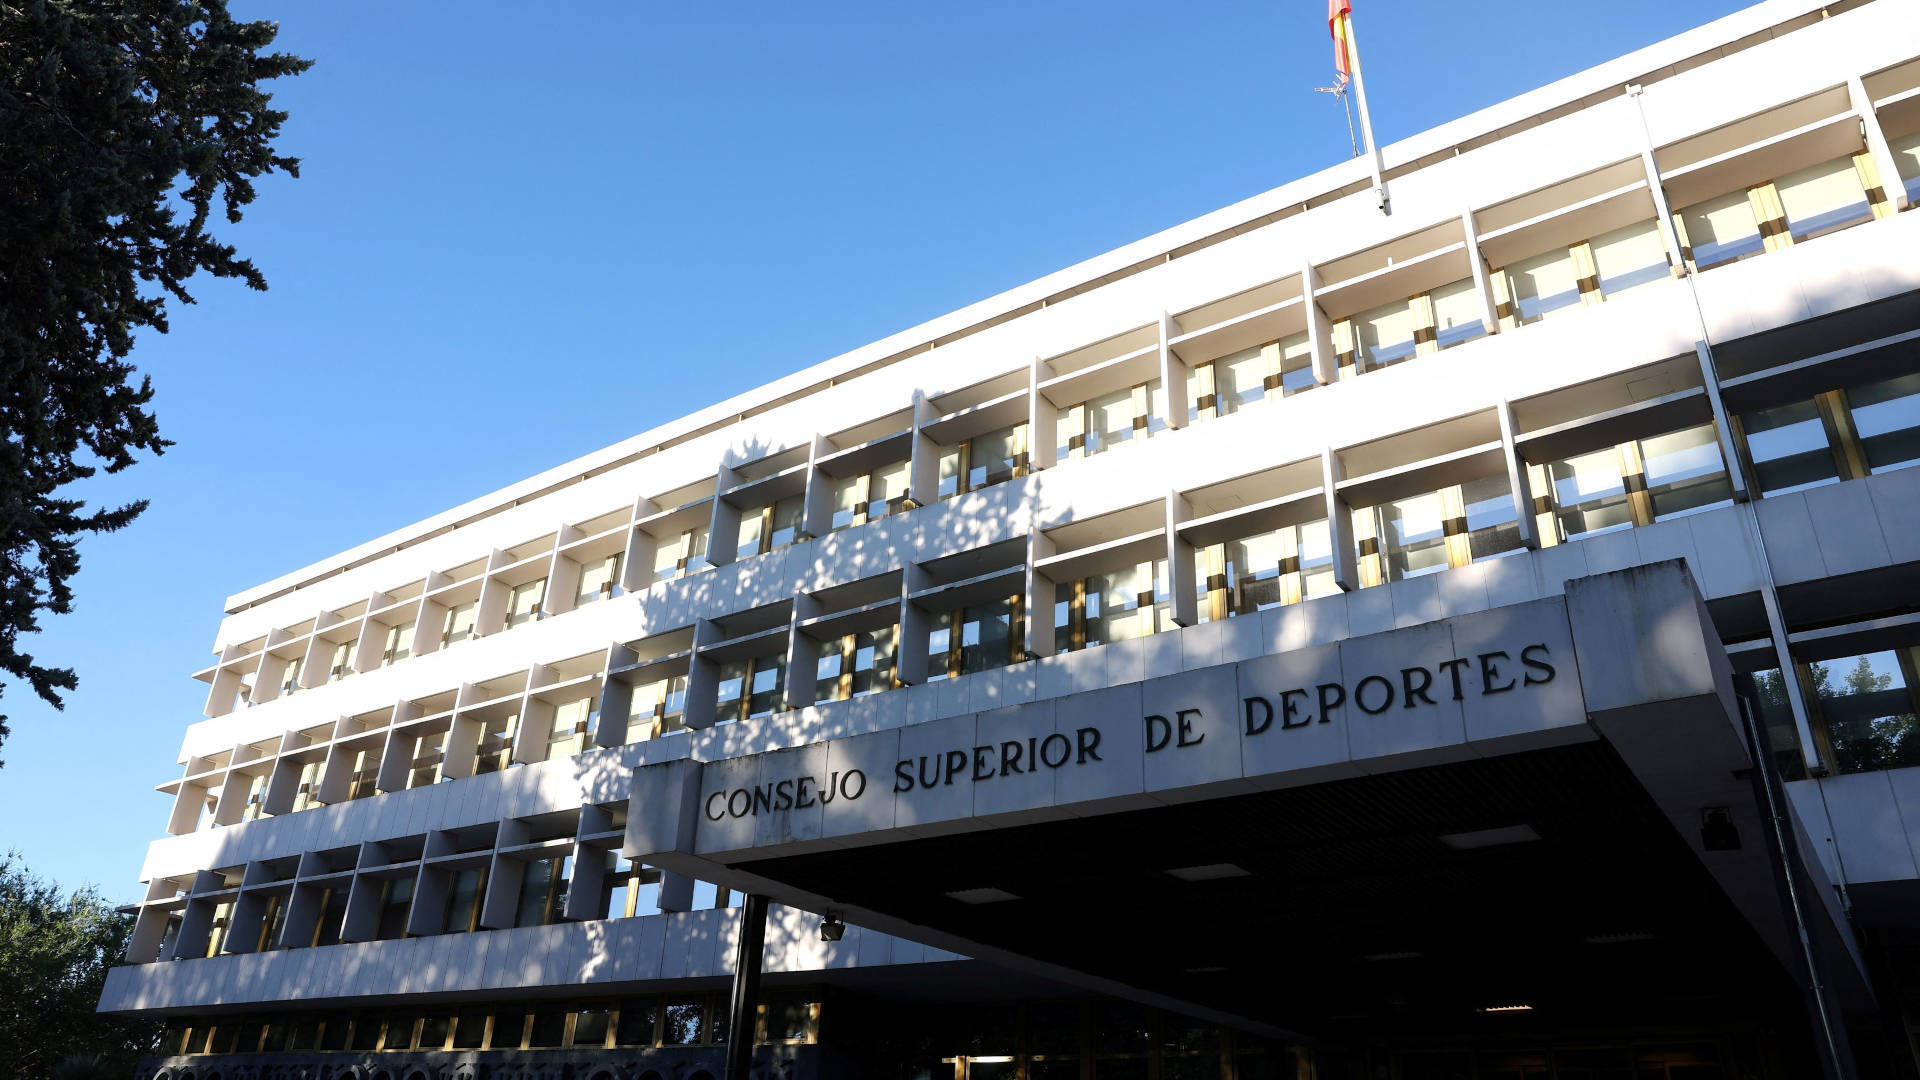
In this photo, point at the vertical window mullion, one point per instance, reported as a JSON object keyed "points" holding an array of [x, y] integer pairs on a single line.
{"points": [[1368, 537], [1546, 519], [1220, 589], [848, 649], [1426, 334], [1016, 628], [1873, 184], [1771, 216], [956, 634], [1633, 478], [1586, 273], [1849, 457]]}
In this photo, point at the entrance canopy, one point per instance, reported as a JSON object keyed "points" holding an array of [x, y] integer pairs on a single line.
{"points": [[1537, 813]]}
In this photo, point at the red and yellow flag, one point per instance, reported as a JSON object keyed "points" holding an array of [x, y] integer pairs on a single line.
{"points": [[1339, 17]]}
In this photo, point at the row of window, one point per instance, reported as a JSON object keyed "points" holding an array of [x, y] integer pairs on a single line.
{"points": [[632, 1022], [1839, 434], [1051, 1040], [286, 667], [1767, 216], [459, 895]]}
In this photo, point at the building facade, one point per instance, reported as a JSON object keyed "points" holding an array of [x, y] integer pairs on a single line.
{"points": [[1476, 640]]}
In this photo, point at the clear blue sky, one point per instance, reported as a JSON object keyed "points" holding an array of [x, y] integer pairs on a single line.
{"points": [[522, 233]]}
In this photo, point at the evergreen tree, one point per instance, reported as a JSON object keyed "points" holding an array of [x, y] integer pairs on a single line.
{"points": [[54, 954], [121, 123], [1875, 736]]}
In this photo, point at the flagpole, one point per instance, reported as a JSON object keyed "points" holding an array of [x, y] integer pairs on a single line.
{"points": [[1366, 122]]}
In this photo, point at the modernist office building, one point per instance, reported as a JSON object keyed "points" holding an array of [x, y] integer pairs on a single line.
{"points": [[1472, 641]]}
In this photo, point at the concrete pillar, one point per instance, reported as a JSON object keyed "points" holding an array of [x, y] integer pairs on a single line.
{"points": [[703, 678], [923, 463], [1181, 570], [1517, 480], [1039, 592], [1346, 566], [1326, 366], [1884, 162], [1482, 276], [723, 528], [816, 513], [1173, 376], [803, 653], [910, 653]]}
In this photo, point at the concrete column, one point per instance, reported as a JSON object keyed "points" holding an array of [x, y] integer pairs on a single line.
{"points": [[149, 931], [816, 514], [490, 615], [803, 653], [499, 909], [1173, 376], [1326, 366], [1039, 598], [703, 678], [196, 929], [1043, 422], [676, 891], [910, 652], [303, 916], [243, 923], [616, 699], [1346, 567], [233, 796], [563, 576], [723, 528], [636, 563], [1482, 276], [1181, 571], [429, 900], [1730, 453], [363, 908], [396, 760], [533, 727], [1884, 162], [923, 464], [1517, 480], [589, 879], [220, 696]]}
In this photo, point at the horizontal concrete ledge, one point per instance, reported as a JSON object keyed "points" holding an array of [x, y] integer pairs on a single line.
{"points": [[656, 950]]}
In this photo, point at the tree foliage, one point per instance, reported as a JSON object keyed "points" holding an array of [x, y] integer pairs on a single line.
{"points": [[122, 122], [54, 954], [1869, 722]]}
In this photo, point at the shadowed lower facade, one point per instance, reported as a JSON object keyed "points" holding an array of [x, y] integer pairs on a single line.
{"points": [[1476, 641]]}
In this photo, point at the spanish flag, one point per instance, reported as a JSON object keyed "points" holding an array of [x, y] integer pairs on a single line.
{"points": [[1340, 25]]}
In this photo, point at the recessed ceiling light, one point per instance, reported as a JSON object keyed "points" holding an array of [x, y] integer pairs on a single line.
{"points": [[1618, 939], [1482, 838], [1209, 872], [1392, 956], [1512, 1008], [987, 895]]}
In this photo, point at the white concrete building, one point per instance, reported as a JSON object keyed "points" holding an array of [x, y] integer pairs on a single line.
{"points": [[1308, 641]]}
